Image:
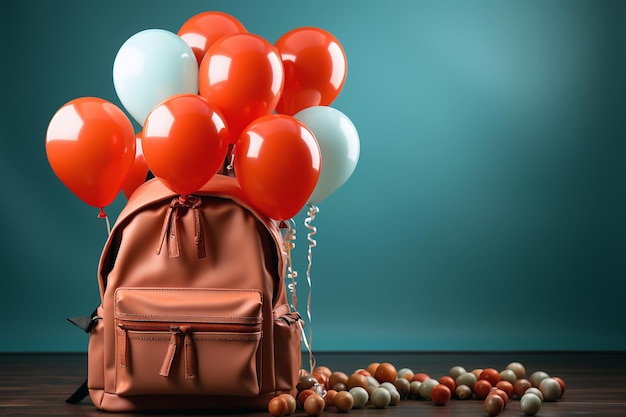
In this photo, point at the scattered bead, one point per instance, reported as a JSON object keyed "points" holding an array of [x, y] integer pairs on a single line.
{"points": [[530, 404], [330, 397], [380, 397], [481, 388], [278, 407], [306, 382], [302, 396], [360, 396], [395, 397], [343, 401], [321, 379], [372, 382], [463, 392], [518, 368], [490, 374], [314, 405], [561, 383], [520, 386], [323, 370], [386, 372], [477, 372], [414, 389], [427, 387], [403, 387], [508, 375], [371, 368], [339, 386], [501, 393], [388, 386], [550, 388], [404, 371], [356, 380], [455, 371], [535, 391], [507, 387], [336, 378], [537, 376], [420, 376], [448, 381], [467, 378], [494, 404], [291, 403], [440, 394], [408, 376]]}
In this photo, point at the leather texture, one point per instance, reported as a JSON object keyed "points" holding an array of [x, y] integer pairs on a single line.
{"points": [[203, 324]]}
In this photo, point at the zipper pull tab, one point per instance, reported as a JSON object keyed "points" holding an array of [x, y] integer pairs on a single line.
{"points": [[199, 238], [171, 351], [168, 230], [190, 356], [122, 344]]}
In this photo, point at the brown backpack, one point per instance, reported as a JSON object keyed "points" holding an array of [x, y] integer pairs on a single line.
{"points": [[194, 311]]}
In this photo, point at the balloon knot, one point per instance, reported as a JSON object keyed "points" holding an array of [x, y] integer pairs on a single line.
{"points": [[102, 214], [283, 225]]}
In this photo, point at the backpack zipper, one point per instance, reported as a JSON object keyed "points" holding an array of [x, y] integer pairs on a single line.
{"points": [[177, 332]]}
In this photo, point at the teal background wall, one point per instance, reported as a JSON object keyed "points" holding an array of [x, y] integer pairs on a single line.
{"points": [[488, 208]]}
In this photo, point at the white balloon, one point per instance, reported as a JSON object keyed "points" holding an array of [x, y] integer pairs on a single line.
{"points": [[151, 66], [339, 145]]}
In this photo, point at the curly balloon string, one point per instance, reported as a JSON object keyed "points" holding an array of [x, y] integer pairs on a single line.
{"points": [[289, 243], [313, 210], [231, 163], [308, 347]]}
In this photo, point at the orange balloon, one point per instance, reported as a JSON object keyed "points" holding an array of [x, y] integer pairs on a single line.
{"points": [[242, 76], [315, 67], [138, 171], [277, 163], [184, 141], [90, 145], [204, 29]]}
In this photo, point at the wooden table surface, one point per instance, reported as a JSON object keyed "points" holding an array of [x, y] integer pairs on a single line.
{"points": [[38, 384]]}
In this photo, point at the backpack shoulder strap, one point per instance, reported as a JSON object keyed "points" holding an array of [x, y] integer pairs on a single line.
{"points": [[78, 395]]}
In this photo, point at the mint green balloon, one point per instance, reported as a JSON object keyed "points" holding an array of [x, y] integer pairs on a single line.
{"points": [[151, 66], [339, 145]]}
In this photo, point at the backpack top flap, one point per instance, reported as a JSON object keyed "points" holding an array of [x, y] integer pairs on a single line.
{"points": [[153, 193]]}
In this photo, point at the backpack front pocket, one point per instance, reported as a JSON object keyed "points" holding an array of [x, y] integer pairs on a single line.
{"points": [[187, 341]]}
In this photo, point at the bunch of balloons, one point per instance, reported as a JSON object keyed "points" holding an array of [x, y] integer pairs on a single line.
{"points": [[210, 94]]}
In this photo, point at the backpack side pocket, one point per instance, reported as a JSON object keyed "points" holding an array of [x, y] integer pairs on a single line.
{"points": [[287, 354]]}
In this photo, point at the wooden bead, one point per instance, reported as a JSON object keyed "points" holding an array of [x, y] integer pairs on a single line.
{"points": [[314, 405], [494, 404], [343, 401], [550, 389], [278, 407], [380, 397], [530, 404]]}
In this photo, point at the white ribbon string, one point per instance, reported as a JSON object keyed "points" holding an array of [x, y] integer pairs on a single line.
{"points": [[106, 218], [313, 210], [289, 243], [102, 215], [230, 165], [308, 347]]}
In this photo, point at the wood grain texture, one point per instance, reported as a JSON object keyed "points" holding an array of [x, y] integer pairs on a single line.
{"points": [[38, 384]]}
